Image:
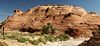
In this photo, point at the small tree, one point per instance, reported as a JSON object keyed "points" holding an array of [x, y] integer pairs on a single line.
{"points": [[3, 32], [48, 29]]}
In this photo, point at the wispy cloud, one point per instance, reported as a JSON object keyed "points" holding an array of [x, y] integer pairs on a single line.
{"points": [[5, 13]]}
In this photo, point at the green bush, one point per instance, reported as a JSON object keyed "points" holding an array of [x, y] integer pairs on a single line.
{"points": [[22, 40], [11, 37], [63, 37], [50, 38], [43, 40], [47, 29], [34, 42]]}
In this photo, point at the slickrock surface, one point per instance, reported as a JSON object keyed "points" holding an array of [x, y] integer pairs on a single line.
{"points": [[70, 42]]}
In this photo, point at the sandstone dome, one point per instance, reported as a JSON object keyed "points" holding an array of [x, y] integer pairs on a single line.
{"points": [[39, 16]]}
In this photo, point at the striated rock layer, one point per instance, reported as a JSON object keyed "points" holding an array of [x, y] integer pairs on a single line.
{"points": [[74, 20]]}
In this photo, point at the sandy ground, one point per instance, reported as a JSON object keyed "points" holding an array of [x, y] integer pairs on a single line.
{"points": [[70, 42]]}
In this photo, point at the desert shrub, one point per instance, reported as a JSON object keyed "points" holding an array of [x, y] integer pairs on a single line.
{"points": [[3, 44], [63, 37], [11, 37], [42, 39], [22, 39], [46, 29], [34, 42], [50, 38]]}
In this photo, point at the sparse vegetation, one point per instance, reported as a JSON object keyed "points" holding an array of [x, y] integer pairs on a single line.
{"points": [[34, 42], [12, 35], [43, 38], [63, 37], [50, 38], [22, 39]]}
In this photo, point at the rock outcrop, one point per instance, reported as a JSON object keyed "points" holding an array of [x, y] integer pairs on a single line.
{"points": [[74, 20], [94, 41]]}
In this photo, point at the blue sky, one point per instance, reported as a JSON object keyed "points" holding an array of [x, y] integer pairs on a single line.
{"points": [[7, 6]]}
